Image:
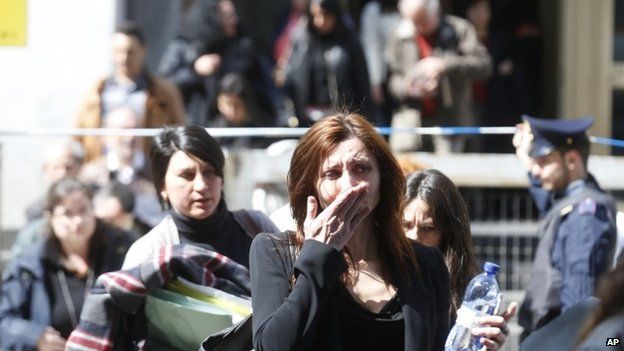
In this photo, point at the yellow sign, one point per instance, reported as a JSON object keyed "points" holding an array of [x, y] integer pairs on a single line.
{"points": [[12, 22]]}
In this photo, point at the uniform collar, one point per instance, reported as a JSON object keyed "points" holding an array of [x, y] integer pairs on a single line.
{"points": [[575, 187]]}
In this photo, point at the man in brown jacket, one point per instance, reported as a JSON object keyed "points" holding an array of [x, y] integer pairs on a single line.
{"points": [[433, 60], [157, 101]]}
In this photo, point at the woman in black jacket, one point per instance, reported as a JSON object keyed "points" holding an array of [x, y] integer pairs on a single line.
{"points": [[211, 46], [348, 278], [326, 68], [44, 288]]}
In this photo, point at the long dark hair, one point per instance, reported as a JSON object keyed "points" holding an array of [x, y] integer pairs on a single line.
{"points": [[203, 26], [334, 8], [394, 249], [450, 217], [192, 140], [61, 188], [55, 195], [611, 295], [389, 5]]}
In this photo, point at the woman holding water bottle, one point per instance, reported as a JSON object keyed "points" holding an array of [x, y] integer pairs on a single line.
{"points": [[435, 215]]}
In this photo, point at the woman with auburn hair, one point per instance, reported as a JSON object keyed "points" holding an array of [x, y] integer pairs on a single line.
{"points": [[348, 278], [435, 215]]}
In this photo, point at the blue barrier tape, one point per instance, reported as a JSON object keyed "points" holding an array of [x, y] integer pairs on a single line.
{"points": [[607, 141], [274, 132], [254, 132], [449, 130]]}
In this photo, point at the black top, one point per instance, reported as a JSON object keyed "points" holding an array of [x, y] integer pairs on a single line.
{"points": [[58, 279], [319, 87], [305, 315], [63, 307], [220, 231], [361, 329], [607, 332], [325, 68], [60, 312], [562, 332]]}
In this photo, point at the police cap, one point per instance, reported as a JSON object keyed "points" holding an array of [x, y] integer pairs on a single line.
{"points": [[549, 134]]}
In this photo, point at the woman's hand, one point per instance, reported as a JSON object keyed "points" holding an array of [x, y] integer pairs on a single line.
{"points": [[336, 224], [207, 64], [494, 329], [51, 340], [77, 264]]}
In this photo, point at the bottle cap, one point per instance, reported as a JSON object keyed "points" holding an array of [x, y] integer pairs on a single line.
{"points": [[491, 268]]}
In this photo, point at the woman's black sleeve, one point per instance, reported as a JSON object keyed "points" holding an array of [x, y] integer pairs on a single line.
{"points": [[362, 80], [443, 301], [177, 66], [285, 318]]}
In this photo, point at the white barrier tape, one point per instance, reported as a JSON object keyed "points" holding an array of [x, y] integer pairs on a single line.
{"points": [[270, 132], [148, 132], [450, 130], [242, 132]]}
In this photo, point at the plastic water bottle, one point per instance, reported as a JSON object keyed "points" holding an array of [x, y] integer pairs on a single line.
{"points": [[481, 298]]}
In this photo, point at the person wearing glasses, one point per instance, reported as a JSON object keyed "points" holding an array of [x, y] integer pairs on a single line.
{"points": [[44, 288]]}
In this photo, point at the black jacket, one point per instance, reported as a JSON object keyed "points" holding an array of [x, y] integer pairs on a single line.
{"points": [[562, 332], [604, 335], [303, 317], [200, 93], [341, 78]]}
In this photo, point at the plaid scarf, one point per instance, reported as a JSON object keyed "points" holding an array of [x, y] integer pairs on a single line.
{"points": [[118, 296]]}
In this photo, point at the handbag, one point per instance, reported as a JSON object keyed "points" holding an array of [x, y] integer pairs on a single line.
{"points": [[239, 337]]}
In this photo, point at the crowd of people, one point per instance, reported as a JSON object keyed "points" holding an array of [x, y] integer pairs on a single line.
{"points": [[401, 63], [373, 253], [375, 260]]}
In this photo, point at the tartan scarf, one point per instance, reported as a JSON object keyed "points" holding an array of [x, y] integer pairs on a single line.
{"points": [[118, 296]]}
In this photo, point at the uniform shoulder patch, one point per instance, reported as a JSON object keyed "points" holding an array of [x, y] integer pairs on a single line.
{"points": [[587, 206], [564, 211]]}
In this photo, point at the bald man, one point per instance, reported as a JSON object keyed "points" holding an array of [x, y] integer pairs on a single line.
{"points": [[123, 157], [61, 159], [433, 60], [124, 160]]}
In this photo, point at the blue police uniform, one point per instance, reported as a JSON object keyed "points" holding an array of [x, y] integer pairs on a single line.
{"points": [[577, 232]]}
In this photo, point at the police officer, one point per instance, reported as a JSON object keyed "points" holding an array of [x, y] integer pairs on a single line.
{"points": [[577, 230]]}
